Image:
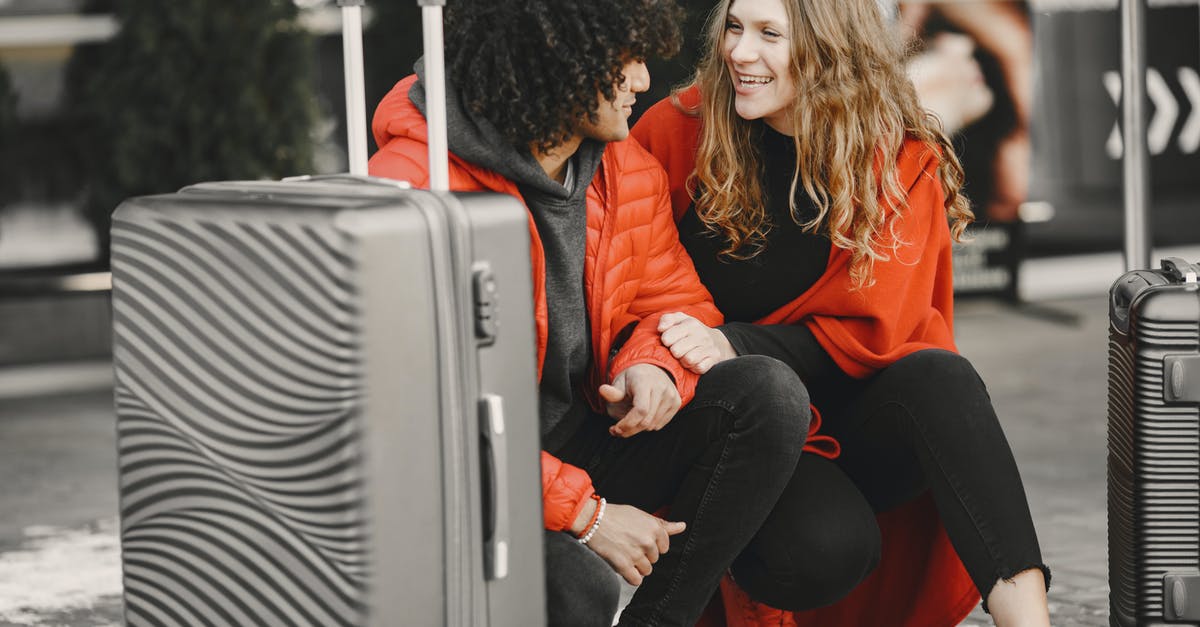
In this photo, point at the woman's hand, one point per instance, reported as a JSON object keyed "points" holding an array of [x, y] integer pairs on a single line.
{"points": [[697, 346]]}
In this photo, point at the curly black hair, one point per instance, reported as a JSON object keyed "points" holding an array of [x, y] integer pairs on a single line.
{"points": [[536, 68]]}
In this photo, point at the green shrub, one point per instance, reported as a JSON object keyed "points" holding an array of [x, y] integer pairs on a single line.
{"points": [[8, 107], [189, 91], [8, 140], [392, 42]]}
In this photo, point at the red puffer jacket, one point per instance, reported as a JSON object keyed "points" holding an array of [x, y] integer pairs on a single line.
{"points": [[920, 581], [635, 270]]}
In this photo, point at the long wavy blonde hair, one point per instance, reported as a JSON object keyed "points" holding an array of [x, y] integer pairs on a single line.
{"points": [[854, 107]]}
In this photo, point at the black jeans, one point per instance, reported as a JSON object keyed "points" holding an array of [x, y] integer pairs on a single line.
{"points": [[924, 423], [720, 465], [819, 542], [582, 590]]}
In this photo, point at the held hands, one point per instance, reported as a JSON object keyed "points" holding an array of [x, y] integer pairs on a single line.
{"points": [[696, 346], [641, 398], [629, 539]]}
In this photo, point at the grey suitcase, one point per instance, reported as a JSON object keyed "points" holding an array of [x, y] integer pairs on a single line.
{"points": [[326, 406], [1154, 447]]}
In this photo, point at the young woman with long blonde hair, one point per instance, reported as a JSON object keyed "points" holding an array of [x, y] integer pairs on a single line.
{"points": [[819, 202]]}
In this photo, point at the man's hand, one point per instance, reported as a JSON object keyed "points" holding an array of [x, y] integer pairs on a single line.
{"points": [[630, 540], [641, 398], [697, 346]]}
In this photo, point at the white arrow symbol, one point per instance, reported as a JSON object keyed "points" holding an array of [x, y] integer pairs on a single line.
{"points": [[1114, 146], [1189, 137], [1166, 110]]}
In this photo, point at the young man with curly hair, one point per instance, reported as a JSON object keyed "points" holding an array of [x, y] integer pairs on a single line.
{"points": [[539, 95]]}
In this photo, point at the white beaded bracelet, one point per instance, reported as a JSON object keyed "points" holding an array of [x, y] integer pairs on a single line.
{"points": [[595, 525]]}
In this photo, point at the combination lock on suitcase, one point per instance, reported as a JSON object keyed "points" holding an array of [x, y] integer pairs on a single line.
{"points": [[1154, 447]]}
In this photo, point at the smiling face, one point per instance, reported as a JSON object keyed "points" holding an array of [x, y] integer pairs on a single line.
{"points": [[612, 116], [758, 53]]}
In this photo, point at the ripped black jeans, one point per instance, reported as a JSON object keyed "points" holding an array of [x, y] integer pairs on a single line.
{"points": [[924, 423]]}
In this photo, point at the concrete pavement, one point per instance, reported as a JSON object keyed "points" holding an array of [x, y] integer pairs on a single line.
{"points": [[1045, 366], [59, 555], [1046, 369]]}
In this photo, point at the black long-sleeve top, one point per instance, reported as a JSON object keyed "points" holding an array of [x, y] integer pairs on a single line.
{"points": [[746, 290]]}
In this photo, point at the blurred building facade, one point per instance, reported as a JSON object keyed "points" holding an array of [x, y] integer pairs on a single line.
{"points": [[1073, 202]]}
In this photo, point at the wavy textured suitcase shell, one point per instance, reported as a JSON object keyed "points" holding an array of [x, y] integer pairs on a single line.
{"points": [[296, 389], [218, 368]]}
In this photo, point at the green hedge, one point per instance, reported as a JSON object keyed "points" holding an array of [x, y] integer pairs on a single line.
{"points": [[8, 139], [189, 91], [392, 43], [8, 107]]}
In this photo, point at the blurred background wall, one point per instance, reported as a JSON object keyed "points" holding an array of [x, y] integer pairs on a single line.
{"points": [[104, 99]]}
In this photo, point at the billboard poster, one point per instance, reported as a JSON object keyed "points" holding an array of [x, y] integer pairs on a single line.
{"points": [[1077, 168], [1040, 137], [972, 67]]}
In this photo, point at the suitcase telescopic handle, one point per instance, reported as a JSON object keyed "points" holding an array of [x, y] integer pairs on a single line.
{"points": [[435, 93], [1135, 159], [1179, 269], [356, 99]]}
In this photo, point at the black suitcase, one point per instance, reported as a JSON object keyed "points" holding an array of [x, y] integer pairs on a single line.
{"points": [[1154, 446], [326, 406]]}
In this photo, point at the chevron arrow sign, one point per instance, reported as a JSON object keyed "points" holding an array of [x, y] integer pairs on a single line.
{"points": [[1166, 112]]}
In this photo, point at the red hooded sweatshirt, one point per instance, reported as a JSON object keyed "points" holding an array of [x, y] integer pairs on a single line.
{"points": [[920, 582]]}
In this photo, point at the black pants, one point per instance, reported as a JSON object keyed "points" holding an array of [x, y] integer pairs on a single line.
{"points": [[582, 590], [720, 465], [924, 423]]}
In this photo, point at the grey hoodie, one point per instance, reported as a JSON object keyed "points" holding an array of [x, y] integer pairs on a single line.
{"points": [[561, 220]]}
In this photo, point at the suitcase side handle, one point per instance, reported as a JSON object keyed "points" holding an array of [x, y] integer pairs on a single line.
{"points": [[494, 456], [1127, 289], [1179, 269]]}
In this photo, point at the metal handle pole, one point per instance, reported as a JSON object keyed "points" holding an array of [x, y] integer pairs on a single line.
{"points": [[356, 100], [435, 94], [1133, 125]]}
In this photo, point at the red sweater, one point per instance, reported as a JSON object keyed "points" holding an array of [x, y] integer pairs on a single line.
{"points": [[920, 581]]}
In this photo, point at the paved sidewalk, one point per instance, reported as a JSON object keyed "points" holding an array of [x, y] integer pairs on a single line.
{"points": [[1045, 367], [59, 555]]}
